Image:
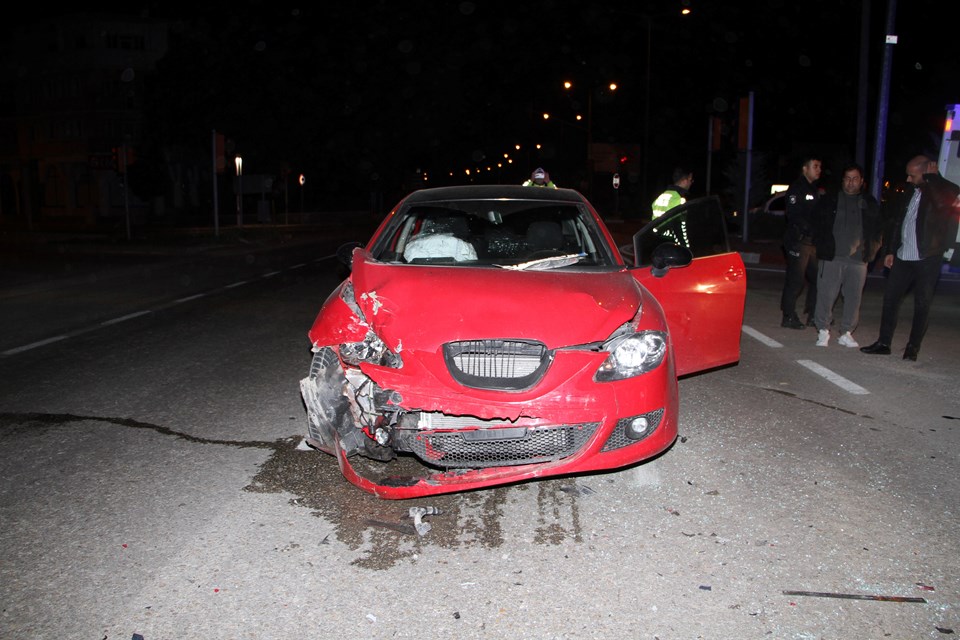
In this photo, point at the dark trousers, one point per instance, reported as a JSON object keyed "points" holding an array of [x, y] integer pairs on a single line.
{"points": [[922, 277], [801, 267]]}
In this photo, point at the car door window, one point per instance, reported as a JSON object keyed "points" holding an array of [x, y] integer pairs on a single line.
{"points": [[697, 225]]}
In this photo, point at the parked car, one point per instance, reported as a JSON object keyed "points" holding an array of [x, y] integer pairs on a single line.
{"points": [[775, 205], [496, 334]]}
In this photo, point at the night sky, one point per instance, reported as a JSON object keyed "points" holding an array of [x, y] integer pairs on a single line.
{"points": [[377, 91]]}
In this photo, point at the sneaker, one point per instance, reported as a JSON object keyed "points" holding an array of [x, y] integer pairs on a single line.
{"points": [[823, 338], [847, 340]]}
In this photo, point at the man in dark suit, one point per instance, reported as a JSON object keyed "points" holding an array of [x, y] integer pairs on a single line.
{"points": [[920, 236]]}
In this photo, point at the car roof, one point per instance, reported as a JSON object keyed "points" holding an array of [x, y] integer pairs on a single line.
{"points": [[493, 192]]}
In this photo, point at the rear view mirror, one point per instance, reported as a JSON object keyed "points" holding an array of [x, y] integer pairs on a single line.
{"points": [[345, 253], [668, 256]]}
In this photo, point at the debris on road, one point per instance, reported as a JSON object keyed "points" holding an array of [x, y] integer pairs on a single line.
{"points": [[854, 596], [576, 490], [417, 514], [393, 526]]}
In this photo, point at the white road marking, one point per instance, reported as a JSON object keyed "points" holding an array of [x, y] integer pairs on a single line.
{"points": [[753, 333], [137, 314], [33, 345], [129, 316], [835, 378]]}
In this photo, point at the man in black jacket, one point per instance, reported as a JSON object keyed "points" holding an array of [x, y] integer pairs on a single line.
{"points": [[847, 229], [798, 244], [914, 254]]}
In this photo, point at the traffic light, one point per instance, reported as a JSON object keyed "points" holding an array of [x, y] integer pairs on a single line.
{"points": [[624, 159], [121, 158]]}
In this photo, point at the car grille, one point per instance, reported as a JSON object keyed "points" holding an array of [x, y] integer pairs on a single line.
{"points": [[497, 364], [478, 448]]}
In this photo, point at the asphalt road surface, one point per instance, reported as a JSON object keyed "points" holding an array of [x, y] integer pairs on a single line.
{"points": [[153, 483]]}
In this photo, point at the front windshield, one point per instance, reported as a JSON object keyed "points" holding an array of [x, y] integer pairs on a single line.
{"points": [[527, 234]]}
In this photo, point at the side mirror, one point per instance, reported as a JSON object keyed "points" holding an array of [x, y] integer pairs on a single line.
{"points": [[345, 253], [668, 256]]}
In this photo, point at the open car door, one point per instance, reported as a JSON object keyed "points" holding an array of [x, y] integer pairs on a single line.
{"points": [[704, 300]]}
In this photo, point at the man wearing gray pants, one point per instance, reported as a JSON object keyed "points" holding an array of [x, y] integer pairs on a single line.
{"points": [[847, 234]]}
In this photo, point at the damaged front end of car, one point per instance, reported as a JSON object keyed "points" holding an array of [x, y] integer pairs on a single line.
{"points": [[478, 413], [345, 407]]}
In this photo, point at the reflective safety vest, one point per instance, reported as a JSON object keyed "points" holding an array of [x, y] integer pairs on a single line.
{"points": [[666, 201]]}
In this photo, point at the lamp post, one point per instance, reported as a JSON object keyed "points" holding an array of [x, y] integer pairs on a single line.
{"points": [[302, 180], [239, 163], [648, 18], [646, 112], [611, 87]]}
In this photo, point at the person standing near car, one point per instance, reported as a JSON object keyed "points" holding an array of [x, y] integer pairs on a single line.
{"points": [[801, 254], [847, 230], [674, 195], [921, 234]]}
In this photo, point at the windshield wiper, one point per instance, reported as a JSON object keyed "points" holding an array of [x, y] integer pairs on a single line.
{"points": [[545, 264]]}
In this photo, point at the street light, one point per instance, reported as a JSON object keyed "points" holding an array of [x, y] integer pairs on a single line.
{"points": [[302, 180], [239, 162]]}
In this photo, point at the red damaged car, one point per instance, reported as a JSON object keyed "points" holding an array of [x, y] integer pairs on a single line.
{"points": [[497, 334]]}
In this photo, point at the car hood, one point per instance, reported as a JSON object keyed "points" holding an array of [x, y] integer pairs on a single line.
{"points": [[422, 307]]}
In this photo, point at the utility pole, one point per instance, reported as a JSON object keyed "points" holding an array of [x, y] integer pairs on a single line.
{"points": [[216, 169], [876, 178], [709, 151], [646, 114], [126, 186], [749, 165], [860, 155]]}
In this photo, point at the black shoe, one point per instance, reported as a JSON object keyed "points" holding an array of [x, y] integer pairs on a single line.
{"points": [[910, 353], [791, 322], [877, 348]]}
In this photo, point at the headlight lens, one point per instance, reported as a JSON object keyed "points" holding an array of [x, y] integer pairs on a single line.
{"points": [[371, 350], [632, 355]]}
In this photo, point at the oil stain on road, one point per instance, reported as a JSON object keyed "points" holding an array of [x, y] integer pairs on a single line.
{"points": [[380, 531]]}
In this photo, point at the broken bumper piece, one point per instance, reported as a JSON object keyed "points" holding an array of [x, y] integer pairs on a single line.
{"points": [[350, 414]]}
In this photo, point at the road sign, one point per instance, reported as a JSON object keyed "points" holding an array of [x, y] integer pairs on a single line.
{"points": [[616, 181]]}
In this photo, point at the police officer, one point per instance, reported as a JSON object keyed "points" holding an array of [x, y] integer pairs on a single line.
{"points": [[674, 195], [798, 245], [540, 178]]}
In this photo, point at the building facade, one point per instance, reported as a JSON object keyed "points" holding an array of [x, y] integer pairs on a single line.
{"points": [[70, 118]]}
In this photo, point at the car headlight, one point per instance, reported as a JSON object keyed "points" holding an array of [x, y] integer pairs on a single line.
{"points": [[632, 355], [371, 350]]}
